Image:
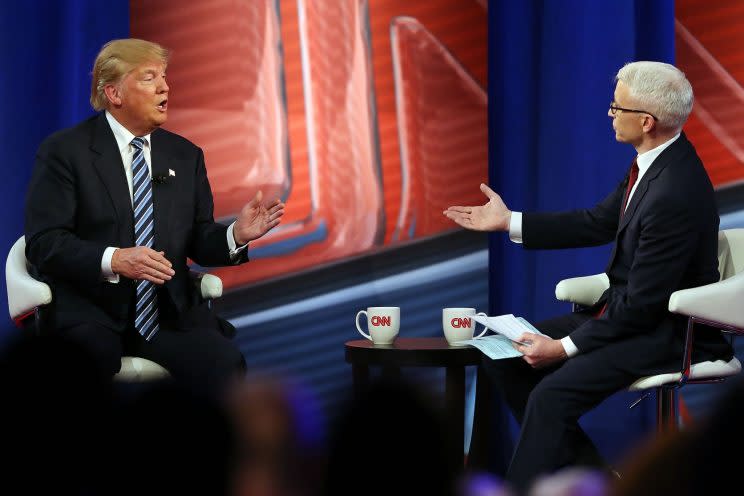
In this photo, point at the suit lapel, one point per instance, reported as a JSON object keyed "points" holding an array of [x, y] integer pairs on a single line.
{"points": [[162, 192], [110, 169], [637, 197], [668, 156]]}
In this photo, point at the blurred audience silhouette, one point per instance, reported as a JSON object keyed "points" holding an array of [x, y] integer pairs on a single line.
{"points": [[280, 435], [659, 467], [54, 423], [66, 428], [172, 440], [574, 481], [482, 484], [696, 460], [391, 441]]}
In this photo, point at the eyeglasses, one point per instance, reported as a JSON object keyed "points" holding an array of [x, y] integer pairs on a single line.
{"points": [[614, 108]]}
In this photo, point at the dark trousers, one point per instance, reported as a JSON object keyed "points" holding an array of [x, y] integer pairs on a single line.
{"points": [[548, 402], [191, 347]]}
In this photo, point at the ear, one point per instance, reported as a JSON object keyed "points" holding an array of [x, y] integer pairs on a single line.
{"points": [[113, 94], [649, 123]]}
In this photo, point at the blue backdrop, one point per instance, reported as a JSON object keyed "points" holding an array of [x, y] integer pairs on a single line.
{"points": [[48, 51], [552, 147]]}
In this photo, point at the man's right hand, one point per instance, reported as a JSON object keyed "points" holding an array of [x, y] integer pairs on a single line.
{"points": [[141, 262], [492, 216]]}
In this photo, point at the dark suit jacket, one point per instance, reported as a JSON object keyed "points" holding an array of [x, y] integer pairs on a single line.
{"points": [[666, 240], [78, 204]]}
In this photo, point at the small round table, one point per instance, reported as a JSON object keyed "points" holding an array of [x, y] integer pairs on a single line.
{"points": [[430, 352]]}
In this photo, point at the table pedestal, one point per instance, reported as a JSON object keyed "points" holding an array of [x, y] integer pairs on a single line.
{"points": [[431, 352]]}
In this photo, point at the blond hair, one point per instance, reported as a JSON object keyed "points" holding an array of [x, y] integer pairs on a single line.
{"points": [[116, 59]]}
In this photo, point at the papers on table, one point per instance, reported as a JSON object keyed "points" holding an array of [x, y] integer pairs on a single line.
{"points": [[508, 328]]}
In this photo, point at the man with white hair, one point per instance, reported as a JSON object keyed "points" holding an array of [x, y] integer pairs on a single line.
{"points": [[663, 242]]}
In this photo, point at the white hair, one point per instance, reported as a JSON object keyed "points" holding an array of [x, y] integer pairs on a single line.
{"points": [[660, 89]]}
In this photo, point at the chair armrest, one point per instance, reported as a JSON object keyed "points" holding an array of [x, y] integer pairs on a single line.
{"points": [[209, 285], [719, 302], [582, 290]]}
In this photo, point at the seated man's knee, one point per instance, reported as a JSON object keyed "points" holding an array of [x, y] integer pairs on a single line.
{"points": [[231, 366], [546, 398], [102, 344]]}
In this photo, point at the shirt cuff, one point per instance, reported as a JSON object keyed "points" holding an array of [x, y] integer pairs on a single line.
{"points": [[515, 227], [569, 347], [106, 272], [231, 245]]}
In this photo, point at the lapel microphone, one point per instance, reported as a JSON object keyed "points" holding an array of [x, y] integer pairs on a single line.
{"points": [[159, 178]]}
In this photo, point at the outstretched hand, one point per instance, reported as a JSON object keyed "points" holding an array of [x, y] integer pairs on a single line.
{"points": [[492, 216], [256, 219]]}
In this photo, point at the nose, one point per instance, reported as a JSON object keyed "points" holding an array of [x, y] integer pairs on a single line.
{"points": [[163, 85]]}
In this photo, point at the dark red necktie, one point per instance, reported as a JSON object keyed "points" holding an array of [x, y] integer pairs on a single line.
{"points": [[632, 178]]}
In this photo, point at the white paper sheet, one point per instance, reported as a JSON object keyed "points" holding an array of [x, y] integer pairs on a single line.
{"points": [[508, 329], [510, 326], [494, 346]]}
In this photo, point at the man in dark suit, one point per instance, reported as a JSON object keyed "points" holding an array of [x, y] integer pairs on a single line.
{"points": [[115, 207], [663, 242]]}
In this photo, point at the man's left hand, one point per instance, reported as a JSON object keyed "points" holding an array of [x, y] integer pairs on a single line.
{"points": [[541, 351], [256, 219]]}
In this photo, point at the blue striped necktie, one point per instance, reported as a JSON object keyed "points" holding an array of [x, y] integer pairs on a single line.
{"points": [[146, 310]]}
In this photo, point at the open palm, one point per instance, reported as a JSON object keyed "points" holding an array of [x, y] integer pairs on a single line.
{"points": [[491, 216], [256, 219]]}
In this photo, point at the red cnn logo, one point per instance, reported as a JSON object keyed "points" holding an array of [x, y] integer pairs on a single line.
{"points": [[459, 322], [380, 321]]}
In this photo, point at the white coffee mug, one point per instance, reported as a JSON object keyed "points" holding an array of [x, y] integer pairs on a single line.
{"points": [[383, 324], [458, 324]]}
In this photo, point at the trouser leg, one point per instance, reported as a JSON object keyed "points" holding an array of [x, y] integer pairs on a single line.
{"points": [[514, 378], [102, 343], [551, 437], [199, 357]]}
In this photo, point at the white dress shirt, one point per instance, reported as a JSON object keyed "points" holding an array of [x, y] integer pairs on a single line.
{"points": [[123, 142], [644, 161]]}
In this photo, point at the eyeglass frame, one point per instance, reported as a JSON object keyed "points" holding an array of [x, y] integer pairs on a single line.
{"points": [[614, 108]]}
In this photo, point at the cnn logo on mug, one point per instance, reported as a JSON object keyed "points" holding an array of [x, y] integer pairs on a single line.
{"points": [[458, 324], [383, 324]]}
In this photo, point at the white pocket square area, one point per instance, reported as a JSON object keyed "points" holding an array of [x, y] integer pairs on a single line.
{"points": [[171, 172]]}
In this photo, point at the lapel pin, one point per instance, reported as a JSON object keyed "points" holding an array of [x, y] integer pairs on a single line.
{"points": [[171, 172]]}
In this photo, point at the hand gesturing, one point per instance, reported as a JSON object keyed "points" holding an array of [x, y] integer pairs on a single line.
{"points": [[256, 219], [492, 216]]}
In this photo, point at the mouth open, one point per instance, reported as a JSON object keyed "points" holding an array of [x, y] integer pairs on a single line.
{"points": [[163, 106]]}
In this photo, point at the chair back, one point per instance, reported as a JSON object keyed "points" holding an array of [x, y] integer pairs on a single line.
{"points": [[730, 252], [24, 292]]}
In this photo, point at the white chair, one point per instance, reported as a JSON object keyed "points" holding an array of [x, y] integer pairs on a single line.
{"points": [[27, 298], [720, 304]]}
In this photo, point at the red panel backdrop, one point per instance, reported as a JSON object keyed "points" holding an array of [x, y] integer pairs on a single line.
{"points": [[309, 102], [710, 50]]}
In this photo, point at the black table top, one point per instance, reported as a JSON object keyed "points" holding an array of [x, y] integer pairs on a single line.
{"points": [[411, 352]]}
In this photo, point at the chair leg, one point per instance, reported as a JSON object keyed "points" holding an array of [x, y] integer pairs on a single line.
{"points": [[666, 409]]}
